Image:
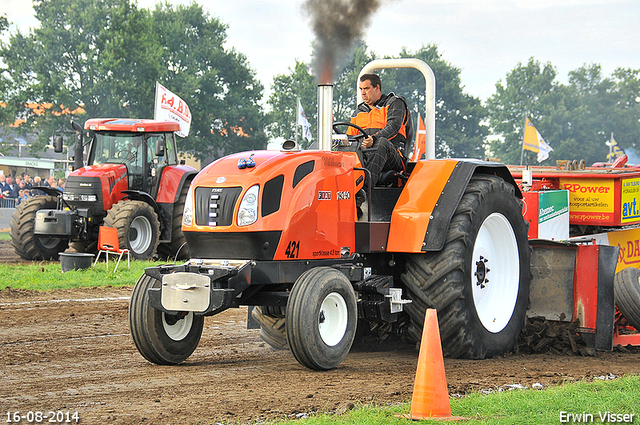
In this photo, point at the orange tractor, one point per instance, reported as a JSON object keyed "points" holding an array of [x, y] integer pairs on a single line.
{"points": [[132, 181], [279, 231]]}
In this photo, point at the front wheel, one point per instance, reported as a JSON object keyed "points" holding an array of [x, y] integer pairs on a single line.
{"points": [[321, 318], [161, 338], [25, 243], [479, 281]]}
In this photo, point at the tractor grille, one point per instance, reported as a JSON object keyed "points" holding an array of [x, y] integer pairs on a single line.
{"points": [[215, 205]]}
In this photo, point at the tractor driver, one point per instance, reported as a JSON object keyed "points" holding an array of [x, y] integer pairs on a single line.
{"points": [[384, 118]]}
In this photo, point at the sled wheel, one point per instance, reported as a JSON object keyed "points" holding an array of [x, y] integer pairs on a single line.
{"points": [[321, 318], [272, 328], [479, 281], [138, 227], [626, 286], [178, 244], [161, 338], [25, 243]]}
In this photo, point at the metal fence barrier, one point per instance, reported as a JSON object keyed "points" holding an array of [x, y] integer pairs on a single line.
{"points": [[7, 203]]}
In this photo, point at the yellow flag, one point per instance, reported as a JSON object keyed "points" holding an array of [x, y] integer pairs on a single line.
{"points": [[534, 142]]}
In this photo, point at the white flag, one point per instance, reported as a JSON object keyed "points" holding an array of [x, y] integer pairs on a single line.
{"points": [[544, 149], [534, 142], [169, 107], [304, 122]]}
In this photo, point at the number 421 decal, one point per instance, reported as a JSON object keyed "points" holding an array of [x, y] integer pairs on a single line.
{"points": [[293, 249]]}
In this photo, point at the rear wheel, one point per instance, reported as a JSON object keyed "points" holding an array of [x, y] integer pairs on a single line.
{"points": [[25, 243], [627, 294], [161, 338], [321, 318], [479, 281], [273, 329], [138, 227]]}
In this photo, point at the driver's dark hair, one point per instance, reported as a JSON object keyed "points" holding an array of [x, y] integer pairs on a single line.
{"points": [[374, 79]]}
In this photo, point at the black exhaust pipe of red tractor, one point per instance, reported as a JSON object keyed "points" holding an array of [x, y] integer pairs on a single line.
{"points": [[78, 156]]}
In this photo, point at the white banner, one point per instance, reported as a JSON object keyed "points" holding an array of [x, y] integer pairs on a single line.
{"points": [[169, 107], [304, 122]]}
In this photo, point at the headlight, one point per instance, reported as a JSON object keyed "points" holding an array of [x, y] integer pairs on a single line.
{"points": [[248, 211], [68, 196], [187, 214]]}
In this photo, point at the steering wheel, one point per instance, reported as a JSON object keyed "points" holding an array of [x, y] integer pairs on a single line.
{"points": [[357, 138], [125, 155], [122, 153]]}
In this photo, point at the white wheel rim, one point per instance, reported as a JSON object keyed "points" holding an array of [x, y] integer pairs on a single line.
{"points": [[495, 276], [142, 234], [332, 319], [180, 329]]}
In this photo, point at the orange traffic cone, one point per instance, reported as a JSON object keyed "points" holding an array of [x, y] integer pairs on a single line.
{"points": [[430, 395]]}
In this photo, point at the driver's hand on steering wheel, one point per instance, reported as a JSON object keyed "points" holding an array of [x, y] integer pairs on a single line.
{"points": [[367, 142]]}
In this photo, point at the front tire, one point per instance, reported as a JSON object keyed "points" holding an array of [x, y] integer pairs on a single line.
{"points": [[321, 318], [479, 281], [25, 243], [138, 227], [161, 338]]}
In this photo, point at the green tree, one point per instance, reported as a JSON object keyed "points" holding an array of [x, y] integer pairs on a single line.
{"points": [[576, 119], [103, 57], [301, 84], [217, 84], [4, 86], [81, 59], [459, 128], [528, 91]]}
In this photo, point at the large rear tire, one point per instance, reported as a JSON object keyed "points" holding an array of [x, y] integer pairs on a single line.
{"points": [[138, 227], [161, 338], [479, 281], [177, 248], [626, 286], [321, 318], [25, 243]]}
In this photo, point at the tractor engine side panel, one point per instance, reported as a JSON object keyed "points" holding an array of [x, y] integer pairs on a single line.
{"points": [[113, 181], [321, 212], [306, 207]]}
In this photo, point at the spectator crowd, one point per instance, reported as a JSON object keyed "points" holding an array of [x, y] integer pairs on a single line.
{"points": [[24, 186]]}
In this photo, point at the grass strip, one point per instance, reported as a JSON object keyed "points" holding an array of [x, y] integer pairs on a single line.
{"points": [[47, 276], [595, 402]]}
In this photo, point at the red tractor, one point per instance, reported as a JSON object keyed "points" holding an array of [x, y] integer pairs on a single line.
{"points": [[132, 181], [279, 230]]}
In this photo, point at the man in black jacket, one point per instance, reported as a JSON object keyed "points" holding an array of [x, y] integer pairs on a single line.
{"points": [[384, 117]]}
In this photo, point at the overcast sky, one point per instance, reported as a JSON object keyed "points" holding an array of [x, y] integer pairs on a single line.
{"points": [[484, 38]]}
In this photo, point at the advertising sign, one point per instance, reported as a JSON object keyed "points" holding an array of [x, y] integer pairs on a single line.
{"points": [[630, 207], [591, 201], [553, 215]]}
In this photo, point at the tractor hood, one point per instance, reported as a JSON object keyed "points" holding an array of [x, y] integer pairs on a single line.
{"points": [[106, 181], [99, 170]]}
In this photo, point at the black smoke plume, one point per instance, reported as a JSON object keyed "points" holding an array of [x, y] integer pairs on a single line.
{"points": [[337, 24]]}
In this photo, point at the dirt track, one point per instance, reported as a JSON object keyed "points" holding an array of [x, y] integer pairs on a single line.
{"points": [[71, 351]]}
